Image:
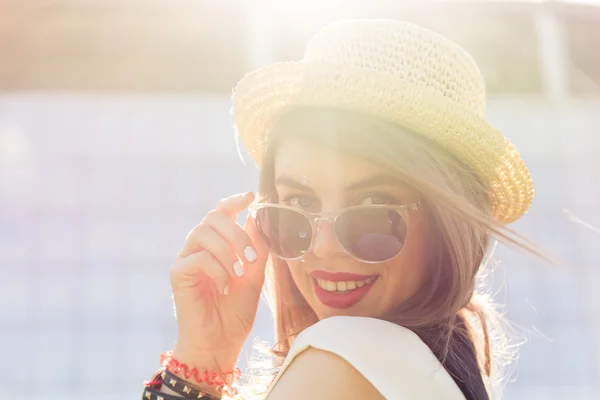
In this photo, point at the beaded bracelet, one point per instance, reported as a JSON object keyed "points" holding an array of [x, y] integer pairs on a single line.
{"points": [[210, 378]]}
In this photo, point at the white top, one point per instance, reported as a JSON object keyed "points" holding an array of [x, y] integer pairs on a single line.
{"points": [[392, 358]]}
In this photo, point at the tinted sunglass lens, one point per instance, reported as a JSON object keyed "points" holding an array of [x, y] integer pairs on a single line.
{"points": [[287, 232], [371, 234]]}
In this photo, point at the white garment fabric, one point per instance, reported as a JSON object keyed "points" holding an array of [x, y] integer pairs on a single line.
{"points": [[392, 358]]}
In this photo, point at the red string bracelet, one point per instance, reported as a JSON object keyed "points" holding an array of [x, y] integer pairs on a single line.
{"points": [[210, 378], [156, 381]]}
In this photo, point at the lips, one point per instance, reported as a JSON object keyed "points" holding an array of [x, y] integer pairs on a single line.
{"points": [[339, 276], [351, 294]]}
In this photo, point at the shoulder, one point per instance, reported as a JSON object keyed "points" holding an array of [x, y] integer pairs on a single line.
{"points": [[319, 374], [378, 355]]}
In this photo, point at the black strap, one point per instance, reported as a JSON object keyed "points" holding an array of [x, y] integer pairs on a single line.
{"points": [[153, 394], [182, 387], [178, 385]]}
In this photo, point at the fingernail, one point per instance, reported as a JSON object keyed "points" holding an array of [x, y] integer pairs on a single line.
{"points": [[238, 269], [226, 290], [250, 254]]}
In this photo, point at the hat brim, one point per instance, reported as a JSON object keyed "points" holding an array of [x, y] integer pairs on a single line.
{"points": [[263, 95]]}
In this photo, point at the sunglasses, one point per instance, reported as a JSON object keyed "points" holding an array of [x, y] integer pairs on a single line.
{"points": [[370, 233]]}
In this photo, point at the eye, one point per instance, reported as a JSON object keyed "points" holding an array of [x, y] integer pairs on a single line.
{"points": [[377, 199], [302, 202]]}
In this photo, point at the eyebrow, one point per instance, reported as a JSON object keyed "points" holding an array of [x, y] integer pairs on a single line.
{"points": [[293, 183], [376, 180]]}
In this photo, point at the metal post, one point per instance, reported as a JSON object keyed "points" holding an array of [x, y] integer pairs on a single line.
{"points": [[553, 54]]}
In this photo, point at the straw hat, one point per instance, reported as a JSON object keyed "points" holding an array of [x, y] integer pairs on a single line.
{"points": [[403, 74]]}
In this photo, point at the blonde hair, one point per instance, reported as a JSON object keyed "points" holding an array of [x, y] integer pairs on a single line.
{"points": [[448, 313]]}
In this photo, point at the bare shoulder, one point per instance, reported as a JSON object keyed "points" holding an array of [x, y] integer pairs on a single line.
{"points": [[319, 374]]}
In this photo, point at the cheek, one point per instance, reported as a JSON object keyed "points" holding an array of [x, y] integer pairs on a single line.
{"points": [[301, 279], [407, 272], [405, 277]]}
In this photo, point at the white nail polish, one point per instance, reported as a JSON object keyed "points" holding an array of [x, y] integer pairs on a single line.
{"points": [[226, 290], [238, 269], [250, 254]]}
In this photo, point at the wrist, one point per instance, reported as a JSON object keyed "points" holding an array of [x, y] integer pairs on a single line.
{"points": [[215, 360]]}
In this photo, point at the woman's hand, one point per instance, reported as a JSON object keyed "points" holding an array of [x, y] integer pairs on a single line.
{"points": [[216, 280]]}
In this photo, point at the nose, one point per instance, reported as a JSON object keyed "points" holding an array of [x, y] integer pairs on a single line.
{"points": [[325, 244]]}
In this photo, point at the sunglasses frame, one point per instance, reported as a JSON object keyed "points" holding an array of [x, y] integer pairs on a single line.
{"points": [[314, 217]]}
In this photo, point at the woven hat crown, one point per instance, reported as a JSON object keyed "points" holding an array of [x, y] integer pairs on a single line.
{"points": [[402, 74], [406, 51]]}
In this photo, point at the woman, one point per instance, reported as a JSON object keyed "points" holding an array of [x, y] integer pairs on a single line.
{"points": [[382, 189]]}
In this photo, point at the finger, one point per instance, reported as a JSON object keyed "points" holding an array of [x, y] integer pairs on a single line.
{"points": [[190, 268], [233, 233], [219, 247], [196, 241], [192, 244], [235, 204], [230, 206], [255, 276]]}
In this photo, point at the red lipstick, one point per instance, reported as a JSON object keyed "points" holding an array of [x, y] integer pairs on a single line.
{"points": [[345, 299], [339, 276]]}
